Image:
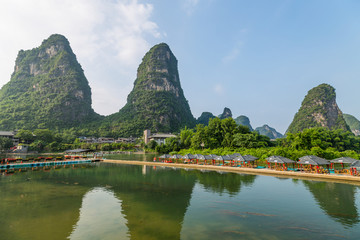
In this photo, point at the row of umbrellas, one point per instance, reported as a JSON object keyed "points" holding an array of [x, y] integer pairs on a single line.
{"points": [[230, 157], [306, 160], [314, 160]]}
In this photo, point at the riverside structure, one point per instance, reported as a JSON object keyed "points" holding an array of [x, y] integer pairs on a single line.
{"points": [[300, 171]]}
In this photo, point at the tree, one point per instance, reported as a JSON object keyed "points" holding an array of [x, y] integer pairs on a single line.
{"points": [[173, 143], [200, 137], [250, 140], [38, 145], [45, 135], [5, 143], [67, 135], [215, 132], [228, 129], [244, 129], [185, 137], [25, 136], [152, 144], [323, 138]]}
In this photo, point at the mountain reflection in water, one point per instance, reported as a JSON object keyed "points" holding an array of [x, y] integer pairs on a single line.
{"points": [[98, 219], [337, 200], [110, 201]]}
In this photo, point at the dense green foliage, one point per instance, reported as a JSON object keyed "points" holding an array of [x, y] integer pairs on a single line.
{"points": [[5, 143], [218, 134], [323, 139], [54, 141], [26, 136], [352, 122], [321, 142], [244, 120], [268, 131], [48, 89], [226, 133], [318, 109], [223, 137], [157, 100], [185, 137]]}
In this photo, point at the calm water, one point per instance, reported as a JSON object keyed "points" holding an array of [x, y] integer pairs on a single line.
{"points": [[110, 201], [132, 156]]}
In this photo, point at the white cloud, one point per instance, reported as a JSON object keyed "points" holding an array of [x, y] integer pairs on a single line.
{"points": [[219, 89], [190, 6], [109, 38], [233, 53]]}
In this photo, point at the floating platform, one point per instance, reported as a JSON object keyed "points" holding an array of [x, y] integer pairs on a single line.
{"points": [[48, 163]]}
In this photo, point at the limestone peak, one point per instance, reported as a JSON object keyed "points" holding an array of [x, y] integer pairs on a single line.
{"points": [[319, 109]]}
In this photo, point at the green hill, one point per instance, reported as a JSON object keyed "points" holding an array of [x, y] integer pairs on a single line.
{"points": [[157, 101], [319, 109], [226, 113], [48, 89], [353, 123], [244, 120], [268, 131], [205, 118]]}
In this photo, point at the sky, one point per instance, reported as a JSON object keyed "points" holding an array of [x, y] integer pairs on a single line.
{"points": [[259, 58]]}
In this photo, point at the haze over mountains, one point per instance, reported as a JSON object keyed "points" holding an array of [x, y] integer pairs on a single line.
{"points": [[48, 89]]}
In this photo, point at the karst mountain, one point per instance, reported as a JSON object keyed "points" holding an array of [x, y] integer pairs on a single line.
{"points": [[157, 101], [319, 109], [48, 89]]}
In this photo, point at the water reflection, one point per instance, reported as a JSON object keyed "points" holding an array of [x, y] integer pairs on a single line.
{"points": [[337, 200], [131, 156], [109, 201], [224, 182], [32, 209], [153, 204], [100, 215]]}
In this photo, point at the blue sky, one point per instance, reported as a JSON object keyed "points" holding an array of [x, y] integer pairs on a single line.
{"points": [[259, 58]]}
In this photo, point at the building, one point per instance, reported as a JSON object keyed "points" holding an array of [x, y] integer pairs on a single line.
{"points": [[159, 138], [11, 135], [107, 140], [126, 140]]}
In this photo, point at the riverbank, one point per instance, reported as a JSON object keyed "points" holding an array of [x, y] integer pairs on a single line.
{"points": [[348, 179]]}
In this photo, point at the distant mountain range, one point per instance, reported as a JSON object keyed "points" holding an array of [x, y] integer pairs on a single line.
{"points": [[244, 120], [353, 123], [240, 120], [48, 89], [269, 131]]}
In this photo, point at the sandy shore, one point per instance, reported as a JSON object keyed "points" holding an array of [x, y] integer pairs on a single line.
{"points": [[348, 179]]}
